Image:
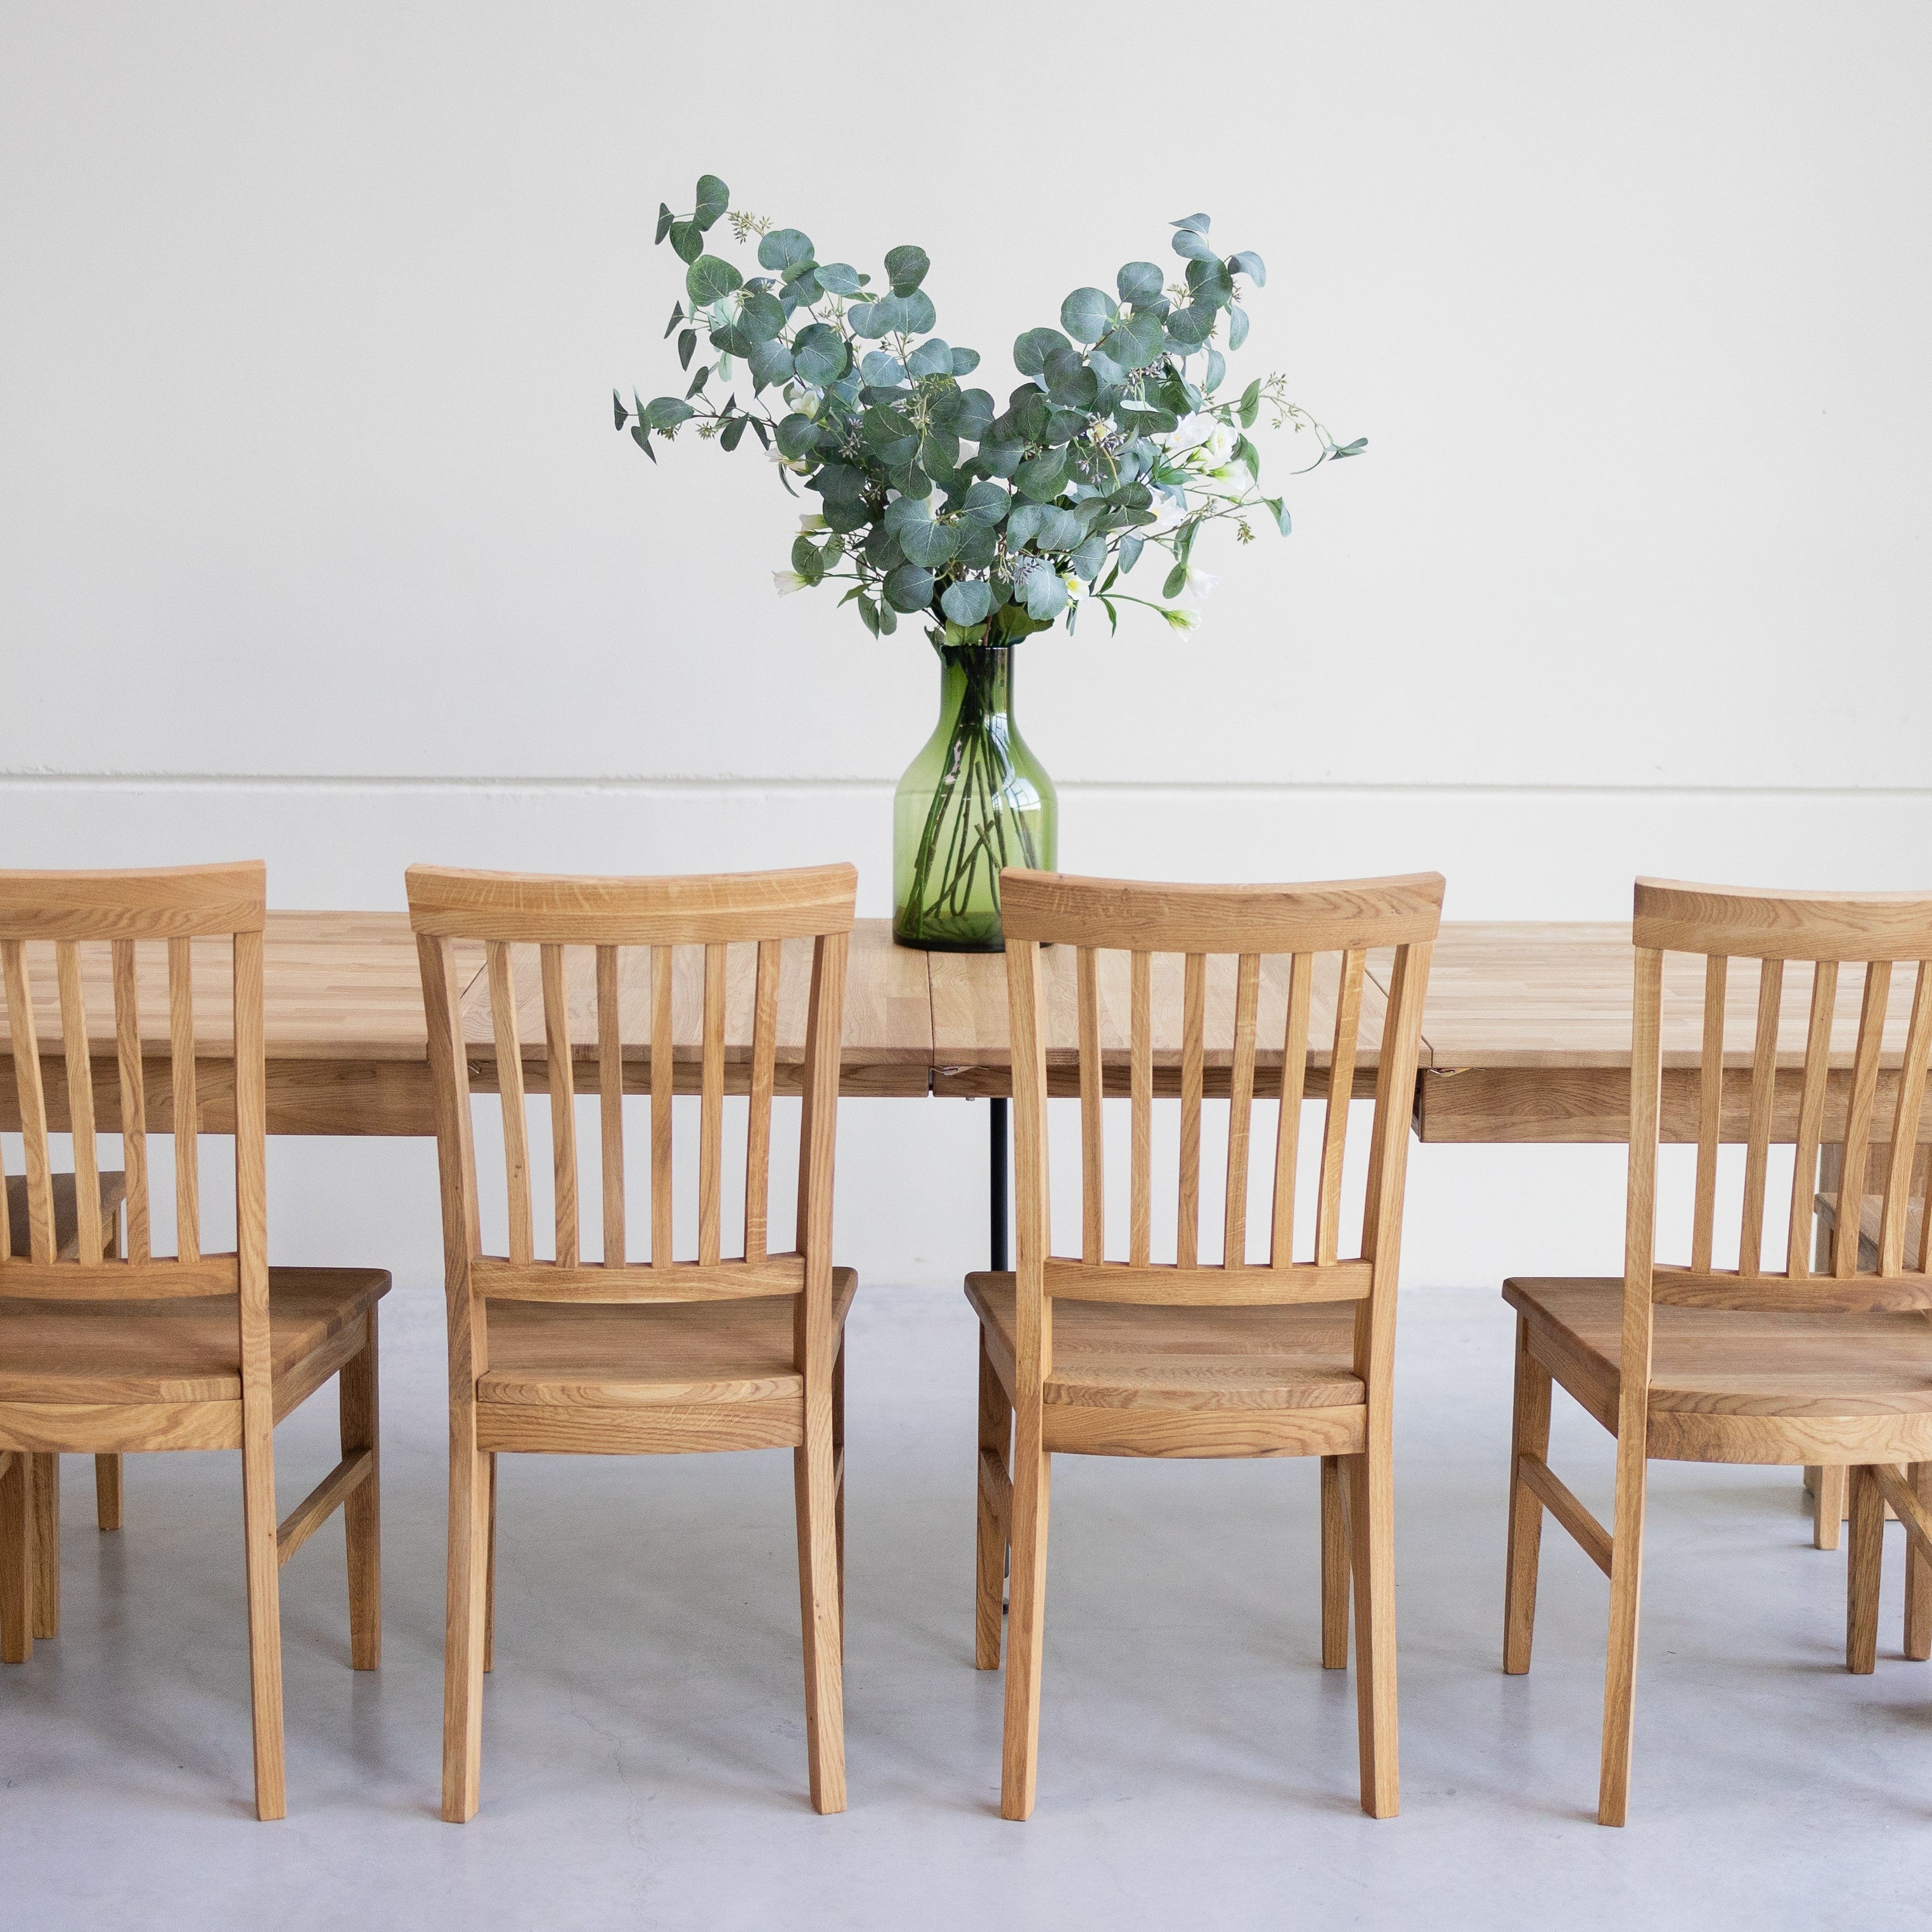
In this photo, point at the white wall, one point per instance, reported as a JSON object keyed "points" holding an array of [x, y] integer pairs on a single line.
{"points": [[318, 543]]}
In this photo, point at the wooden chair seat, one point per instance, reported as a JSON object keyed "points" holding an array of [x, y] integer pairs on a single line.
{"points": [[112, 1189], [1710, 1366], [179, 1351], [1120, 1355], [644, 1377]]}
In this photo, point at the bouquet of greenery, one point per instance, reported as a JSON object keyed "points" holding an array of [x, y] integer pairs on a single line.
{"points": [[986, 523]]}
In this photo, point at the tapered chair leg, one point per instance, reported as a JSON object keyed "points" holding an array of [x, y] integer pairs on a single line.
{"points": [[1918, 1576], [107, 1492], [1032, 1479], [1529, 1436], [839, 1478], [1372, 1540], [16, 1557], [1828, 1507], [814, 1485], [264, 1612], [1620, 1668], [362, 1513], [1864, 1567], [489, 1563], [47, 1546], [1335, 1561], [995, 1491], [463, 1624]]}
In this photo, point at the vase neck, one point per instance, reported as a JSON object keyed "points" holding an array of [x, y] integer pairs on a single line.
{"points": [[975, 681]]}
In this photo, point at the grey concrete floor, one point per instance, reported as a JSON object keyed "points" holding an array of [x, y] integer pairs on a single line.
{"points": [[644, 1759]]}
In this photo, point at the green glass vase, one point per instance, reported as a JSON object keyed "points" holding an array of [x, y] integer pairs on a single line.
{"points": [[975, 798]]}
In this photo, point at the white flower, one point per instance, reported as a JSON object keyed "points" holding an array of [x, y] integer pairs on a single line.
{"points": [[1219, 447], [786, 581], [1168, 513], [1200, 583], [1188, 434], [810, 522], [1183, 620]]}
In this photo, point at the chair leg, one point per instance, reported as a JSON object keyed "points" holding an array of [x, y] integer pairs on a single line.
{"points": [[813, 1482], [1620, 1668], [16, 1557], [1529, 1436], [1864, 1568], [989, 1591], [1372, 1540], [490, 1568], [1334, 1567], [838, 1480], [1032, 1479], [107, 1491], [265, 1613], [47, 1546], [463, 1618], [362, 1513], [1918, 1576], [1828, 1506]]}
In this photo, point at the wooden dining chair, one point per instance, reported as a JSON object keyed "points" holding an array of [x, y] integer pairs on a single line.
{"points": [[196, 1350], [1697, 1362], [560, 1355], [43, 1471], [1083, 1355]]}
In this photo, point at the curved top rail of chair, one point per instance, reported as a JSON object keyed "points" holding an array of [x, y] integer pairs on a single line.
{"points": [[532, 909], [1672, 916], [1328, 915], [163, 902]]}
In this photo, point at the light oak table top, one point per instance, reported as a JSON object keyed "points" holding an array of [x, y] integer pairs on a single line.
{"points": [[1525, 1034]]}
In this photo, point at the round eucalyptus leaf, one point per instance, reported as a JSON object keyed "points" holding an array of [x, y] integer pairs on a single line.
{"points": [[1000, 459], [939, 454], [929, 544], [920, 314], [1042, 477], [687, 240], [1132, 344], [1031, 350], [1199, 223], [1195, 247], [760, 316], [1058, 528], [665, 412], [1237, 327], [1087, 314], [1188, 328], [1112, 377], [1063, 425], [974, 416], [819, 354], [986, 503], [967, 603], [909, 589], [911, 481], [1029, 414], [784, 248], [978, 544], [770, 362], [806, 560], [708, 280], [964, 361], [882, 549], [1077, 389], [838, 483], [1139, 282], [713, 198], [1046, 594], [863, 319], [846, 516], [728, 339], [880, 371], [798, 437], [1209, 283], [838, 278], [932, 358], [903, 512], [906, 268], [1089, 559], [802, 291], [1248, 263]]}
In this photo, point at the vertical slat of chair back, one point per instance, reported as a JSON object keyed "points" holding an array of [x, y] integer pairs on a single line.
{"points": [[603, 935], [95, 922], [1874, 933], [1211, 928]]}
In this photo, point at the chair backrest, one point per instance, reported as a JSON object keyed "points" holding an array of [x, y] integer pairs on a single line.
{"points": [[629, 935], [1793, 1082], [97, 923], [1272, 942]]}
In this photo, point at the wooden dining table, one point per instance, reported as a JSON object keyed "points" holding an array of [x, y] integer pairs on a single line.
{"points": [[1525, 1034]]}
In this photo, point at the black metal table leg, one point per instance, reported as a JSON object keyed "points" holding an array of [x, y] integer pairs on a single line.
{"points": [[996, 1189]]}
